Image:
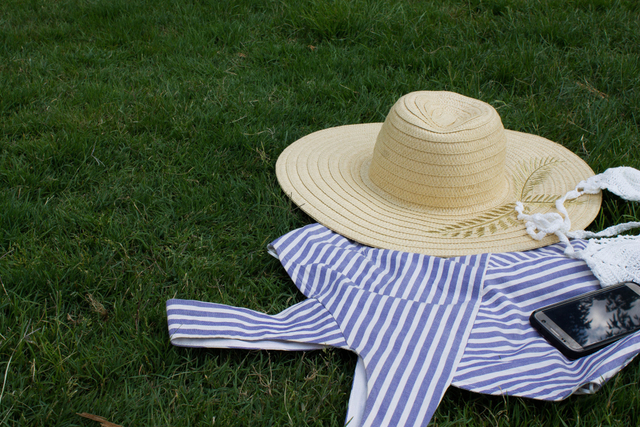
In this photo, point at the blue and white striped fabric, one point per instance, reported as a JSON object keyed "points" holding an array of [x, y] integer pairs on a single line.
{"points": [[505, 355], [418, 323]]}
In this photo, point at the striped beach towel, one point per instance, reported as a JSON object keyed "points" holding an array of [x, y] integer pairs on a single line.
{"points": [[417, 323]]}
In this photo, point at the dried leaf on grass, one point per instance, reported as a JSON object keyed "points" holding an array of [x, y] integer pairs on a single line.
{"points": [[103, 422], [97, 306]]}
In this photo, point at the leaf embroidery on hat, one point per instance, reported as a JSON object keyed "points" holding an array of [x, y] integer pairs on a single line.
{"points": [[527, 176]]}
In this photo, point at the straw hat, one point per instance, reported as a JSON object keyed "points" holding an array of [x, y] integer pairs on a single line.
{"points": [[440, 176]]}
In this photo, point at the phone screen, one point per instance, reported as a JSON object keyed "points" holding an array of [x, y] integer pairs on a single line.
{"points": [[598, 317]]}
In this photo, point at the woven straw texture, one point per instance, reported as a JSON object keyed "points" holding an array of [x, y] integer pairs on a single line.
{"points": [[440, 176]]}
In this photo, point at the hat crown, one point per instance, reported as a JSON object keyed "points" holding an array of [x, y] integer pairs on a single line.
{"points": [[441, 150]]}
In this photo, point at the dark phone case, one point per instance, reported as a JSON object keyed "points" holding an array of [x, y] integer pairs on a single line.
{"points": [[558, 343]]}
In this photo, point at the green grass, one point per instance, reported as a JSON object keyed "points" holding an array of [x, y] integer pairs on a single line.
{"points": [[137, 148]]}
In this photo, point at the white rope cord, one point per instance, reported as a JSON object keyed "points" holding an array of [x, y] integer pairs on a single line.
{"points": [[611, 260]]}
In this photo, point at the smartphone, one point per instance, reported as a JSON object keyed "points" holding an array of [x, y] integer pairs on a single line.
{"points": [[589, 322]]}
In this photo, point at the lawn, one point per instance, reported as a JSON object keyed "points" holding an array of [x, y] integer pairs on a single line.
{"points": [[138, 141]]}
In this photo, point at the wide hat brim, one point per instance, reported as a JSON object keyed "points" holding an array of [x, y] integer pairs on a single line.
{"points": [[326, 174]]}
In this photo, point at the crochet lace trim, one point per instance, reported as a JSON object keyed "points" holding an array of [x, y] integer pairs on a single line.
{"points": [[612, 259]]}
